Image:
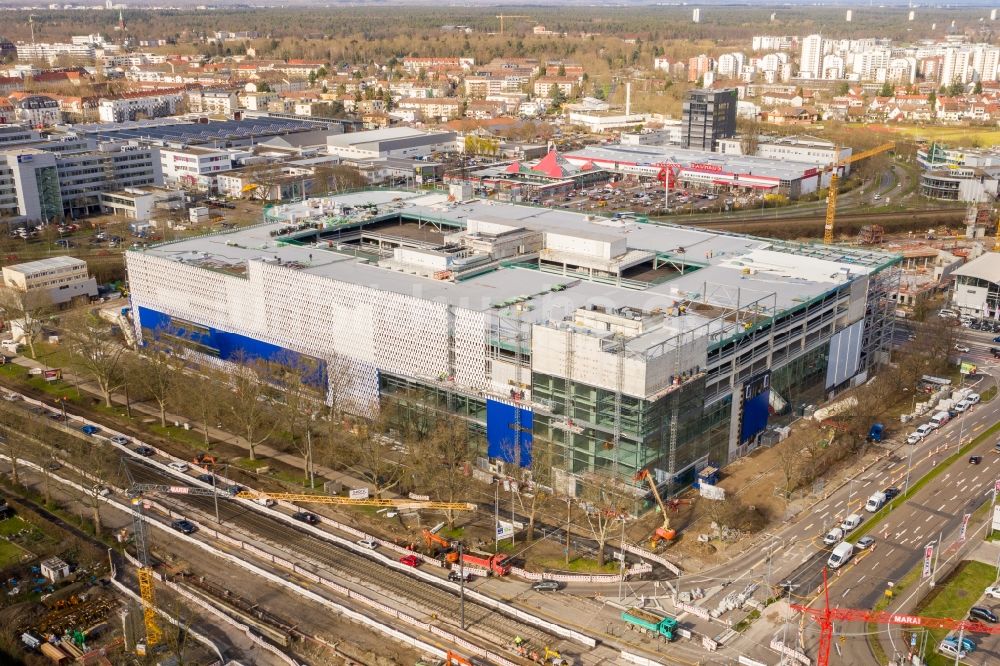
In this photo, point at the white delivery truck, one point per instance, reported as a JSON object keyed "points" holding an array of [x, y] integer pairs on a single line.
{"points": [[939, 419], [840, 555], [875, 502]]}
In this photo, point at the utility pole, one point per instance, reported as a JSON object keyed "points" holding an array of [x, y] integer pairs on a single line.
{"points": [[461, 576]]}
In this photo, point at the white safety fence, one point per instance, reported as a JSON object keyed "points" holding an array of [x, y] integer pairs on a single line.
{"points": [[638, 659], [646, 555], [225, 617], [482, 599]]}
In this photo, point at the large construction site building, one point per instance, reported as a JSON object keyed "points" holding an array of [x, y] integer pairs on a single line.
{"points": [[572, 343]]}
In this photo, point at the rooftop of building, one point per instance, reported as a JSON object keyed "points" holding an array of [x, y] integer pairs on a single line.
{"points": [[374, 136], [48, 264], [985, 267], [721, 271], [180, 130], [654, 156]]}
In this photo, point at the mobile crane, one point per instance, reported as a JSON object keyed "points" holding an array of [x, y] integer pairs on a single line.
{"points": [[664, 532]]}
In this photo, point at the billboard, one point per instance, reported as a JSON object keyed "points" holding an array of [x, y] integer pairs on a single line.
{"points": [[756, 408], [508, 431]]}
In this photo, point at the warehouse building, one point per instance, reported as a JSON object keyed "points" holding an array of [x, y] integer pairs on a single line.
{"points": [[977, 287], [709, 170], [583, 344]]}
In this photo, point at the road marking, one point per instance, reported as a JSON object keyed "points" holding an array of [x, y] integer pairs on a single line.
{"points": [[809, 526], [838, 504], [862, 578], [825, 514], [953, 498], [945, 504], [845, 593], [929, 518]]}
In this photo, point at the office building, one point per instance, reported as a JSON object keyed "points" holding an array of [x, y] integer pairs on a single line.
{"points": [[593, 346], [708, 115], [61, 279]]}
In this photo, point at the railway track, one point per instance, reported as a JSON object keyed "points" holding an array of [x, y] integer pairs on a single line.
{"points": [[440, 605]]}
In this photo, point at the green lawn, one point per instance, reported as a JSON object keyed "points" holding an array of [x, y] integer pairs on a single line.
{"points": [[578, 565], [952, 599], [955, 136], [10, 553], [12, 526]]}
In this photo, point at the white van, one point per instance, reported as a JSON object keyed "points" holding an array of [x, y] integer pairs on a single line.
{"points": [[875, 502], [840, 555], [851, 522], [939, 419], [836, 535], [924, 430], [265, 501]]}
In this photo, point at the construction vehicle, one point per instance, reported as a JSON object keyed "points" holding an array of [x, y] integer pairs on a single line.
{"points": [[552, 657], [664, 532], [496, 564], [137, 489], [204, 460], [430, 539], [641, 620], [831, 198]]}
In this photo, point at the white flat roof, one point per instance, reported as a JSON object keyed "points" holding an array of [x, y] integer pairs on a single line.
{"points": [[985, 267]]}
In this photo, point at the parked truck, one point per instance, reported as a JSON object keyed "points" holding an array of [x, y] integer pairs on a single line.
{"points": [[640, 619], [496, 564]]}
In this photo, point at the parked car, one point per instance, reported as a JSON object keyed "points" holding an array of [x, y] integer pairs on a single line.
{"points": [[546, 586], [371, 544], [455, 577], [950, 650], [865, 542], [121, 439], [975, 460], [145, 450], [962, 348], [306, 517], [178, 466], [982, 614], [206, 478], [184, 526], [961, 406], [89, 429], [891, 493], [925, 429], [914, 438], [972, 398], [993, 592], [410, 560]]}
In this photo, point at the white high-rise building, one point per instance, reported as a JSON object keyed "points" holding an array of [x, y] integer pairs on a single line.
{"points": [[833, 67], [872, 65], [729, 64], [696, 16], [811, 63], [955, 67]]}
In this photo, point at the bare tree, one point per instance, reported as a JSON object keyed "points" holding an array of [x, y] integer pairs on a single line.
{"points": [[28, 308], [96, 351], [247, 405], [158, 369], [299, 381], [202, 395], [605, 504], [374, 459], [441, 461]]}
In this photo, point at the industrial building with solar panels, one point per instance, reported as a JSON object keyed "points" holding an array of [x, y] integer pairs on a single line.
{"points": [[587, 344]]}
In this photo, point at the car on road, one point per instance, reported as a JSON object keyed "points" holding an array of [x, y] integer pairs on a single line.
{"points": [[121, 439], [996, 339], [410, 560], [145, 450], [982, 614], [306, 517], [975, 460], [914, 437], [89, 429], [973, 398], [834, 536], [961, 406], [968, 645], [455, 577], [924, 429], [57, 416], [546, 586], [962, 348], [993, 592], [206, 478], [891, 493], [864, 543], [995, 351], [951, 650], [369, 543], [184, 526], [54, 465], [178, 466]]}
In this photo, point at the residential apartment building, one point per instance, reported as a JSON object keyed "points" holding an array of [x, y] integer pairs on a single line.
{"points": [[135, 106], [220, 102], [194, 166], [546, 84], [433, 108], [50, 52]]}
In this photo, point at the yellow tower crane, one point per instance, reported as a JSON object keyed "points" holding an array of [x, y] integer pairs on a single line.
{"points": [[831, 199], [154, 635], [507, 16], [137, 489]]}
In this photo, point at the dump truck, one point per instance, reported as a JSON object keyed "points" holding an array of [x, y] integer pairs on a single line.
{"points": [[640, 619], [496, 564]]}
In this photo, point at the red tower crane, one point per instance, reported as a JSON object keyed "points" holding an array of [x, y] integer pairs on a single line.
{"points": [[826, 616]]}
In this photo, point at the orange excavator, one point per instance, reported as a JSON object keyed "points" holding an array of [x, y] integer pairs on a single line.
{"points": [[430, 539], [664, 532]]}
